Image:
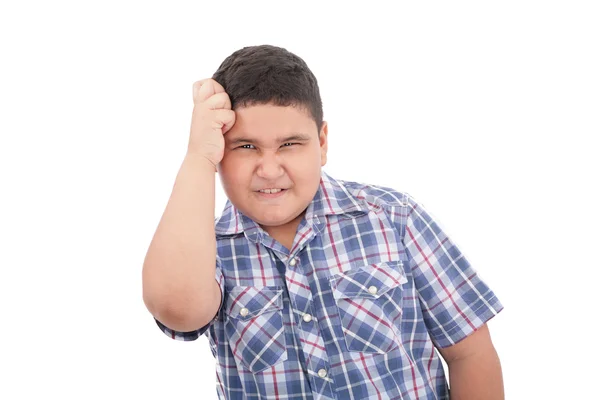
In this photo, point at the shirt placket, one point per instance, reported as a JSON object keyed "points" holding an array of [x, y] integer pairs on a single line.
{"points": [[306, 316]]}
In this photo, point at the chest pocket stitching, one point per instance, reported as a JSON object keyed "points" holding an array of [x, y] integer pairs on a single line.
{"points": [[361, 311], [386, 275], [256, 300], [257, 339]]}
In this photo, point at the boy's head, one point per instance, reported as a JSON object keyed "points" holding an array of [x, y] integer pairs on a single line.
{"points": [[279, 139]]}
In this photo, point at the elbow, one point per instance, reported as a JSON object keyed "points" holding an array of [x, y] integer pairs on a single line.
{"points": [[182, 322], [183, 310], [178, 314]]}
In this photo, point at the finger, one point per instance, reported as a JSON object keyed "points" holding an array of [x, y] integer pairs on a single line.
{"points": [[205, 88], [196, 87], [218, 101], [225, 119]]}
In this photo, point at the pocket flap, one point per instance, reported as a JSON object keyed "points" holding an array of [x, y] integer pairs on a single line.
{"points": [[370, 281], [246, 302]]}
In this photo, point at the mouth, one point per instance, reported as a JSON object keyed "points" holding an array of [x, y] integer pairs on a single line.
{"points": [[271, 192]]}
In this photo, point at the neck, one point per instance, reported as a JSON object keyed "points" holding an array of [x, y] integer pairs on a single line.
{"points": [[285, 233]]}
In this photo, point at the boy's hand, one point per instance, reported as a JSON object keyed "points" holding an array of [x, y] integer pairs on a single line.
{"points": [[211, 119]]}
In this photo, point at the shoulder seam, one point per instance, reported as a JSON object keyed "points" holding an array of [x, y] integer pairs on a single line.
{"points": [[400, 198]]}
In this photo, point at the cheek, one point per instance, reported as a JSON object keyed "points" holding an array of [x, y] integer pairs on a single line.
{"points": [[235, 173], [233, 159], [309, 159], [306, 173]]}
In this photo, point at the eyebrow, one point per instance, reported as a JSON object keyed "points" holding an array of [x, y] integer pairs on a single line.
{"points": [[295, 137]]}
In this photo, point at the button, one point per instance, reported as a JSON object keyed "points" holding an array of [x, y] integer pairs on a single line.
{"points": [[244, 312], [373, 290], [307, 317], [293, 262], [322, 373]]}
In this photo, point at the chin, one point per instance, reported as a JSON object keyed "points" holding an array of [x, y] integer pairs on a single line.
{"points": [[274, 219]]}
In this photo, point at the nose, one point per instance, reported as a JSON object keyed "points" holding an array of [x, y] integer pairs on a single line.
{"points": [[269, 167]]}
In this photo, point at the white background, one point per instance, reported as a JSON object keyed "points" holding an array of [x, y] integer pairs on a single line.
{"points": [[487, 113]]}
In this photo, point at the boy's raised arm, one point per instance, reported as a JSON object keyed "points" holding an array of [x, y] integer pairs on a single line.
{"points": [[178, 276]]}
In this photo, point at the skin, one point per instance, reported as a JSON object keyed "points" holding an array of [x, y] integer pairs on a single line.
{"points": [[474, 368]]}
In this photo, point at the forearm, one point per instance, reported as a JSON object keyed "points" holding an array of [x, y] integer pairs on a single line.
{"points": [[476, 377], [179, 268]]}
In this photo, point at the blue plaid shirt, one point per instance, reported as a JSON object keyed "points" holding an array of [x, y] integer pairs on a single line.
{"points": [[352, 311]]}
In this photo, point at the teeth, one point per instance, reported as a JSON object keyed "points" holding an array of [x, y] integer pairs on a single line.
{"points": [[269, 191]]}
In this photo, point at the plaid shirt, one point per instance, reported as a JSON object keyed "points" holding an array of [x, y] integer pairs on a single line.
{"points": [[353, 311]]}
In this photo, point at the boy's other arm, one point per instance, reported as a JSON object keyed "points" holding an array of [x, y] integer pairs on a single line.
{"points": [[474, 367]]}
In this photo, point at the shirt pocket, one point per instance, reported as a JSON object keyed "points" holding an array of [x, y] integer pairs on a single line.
{"points": [[254, 326], [369, 301]]}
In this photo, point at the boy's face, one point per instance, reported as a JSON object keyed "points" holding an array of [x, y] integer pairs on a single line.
{"points": [[272, 147]]}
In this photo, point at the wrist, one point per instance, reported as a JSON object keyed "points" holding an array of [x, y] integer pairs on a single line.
{"points": [[200, 160]]}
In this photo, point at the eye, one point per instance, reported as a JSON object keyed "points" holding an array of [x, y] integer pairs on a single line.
{"points": [[247, 146], [288, 144]]}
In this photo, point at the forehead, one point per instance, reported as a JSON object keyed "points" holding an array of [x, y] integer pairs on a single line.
{"points": [[269, 121]]}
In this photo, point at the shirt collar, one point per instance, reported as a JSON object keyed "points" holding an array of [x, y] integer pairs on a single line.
{"points": [[332, 198]]}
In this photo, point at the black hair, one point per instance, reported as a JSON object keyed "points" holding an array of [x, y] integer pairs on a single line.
{"points": [[266, 74]]}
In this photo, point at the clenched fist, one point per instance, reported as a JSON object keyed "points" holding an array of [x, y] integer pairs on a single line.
{"points": [[211, 119]]}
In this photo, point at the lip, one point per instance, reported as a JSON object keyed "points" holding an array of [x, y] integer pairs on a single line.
{"points": [[271, 195]]}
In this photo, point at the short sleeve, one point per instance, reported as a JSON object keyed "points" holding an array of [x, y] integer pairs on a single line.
{"points": [[454, 299], [193, 335]]}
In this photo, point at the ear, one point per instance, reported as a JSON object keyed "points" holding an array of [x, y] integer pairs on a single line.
{"points": [[323, 143]]}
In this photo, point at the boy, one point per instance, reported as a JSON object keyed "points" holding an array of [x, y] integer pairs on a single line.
{"points": [[308, 286]]}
